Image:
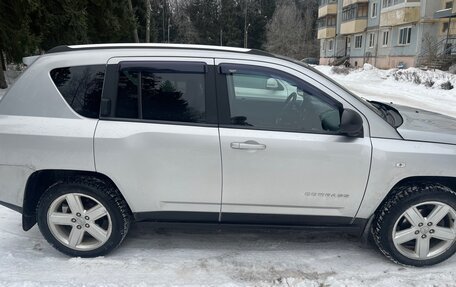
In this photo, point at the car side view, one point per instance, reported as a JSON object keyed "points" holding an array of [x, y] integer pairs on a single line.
{"points": [[95, 137]]}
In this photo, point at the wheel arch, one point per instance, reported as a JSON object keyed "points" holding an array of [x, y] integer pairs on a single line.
{"points": [[39, 181], [447, 181]]}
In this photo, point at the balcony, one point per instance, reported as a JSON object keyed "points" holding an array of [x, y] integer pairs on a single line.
{"points": [[328, 9], [400, 14], [353, 26], [326, 32], [350, 2]]}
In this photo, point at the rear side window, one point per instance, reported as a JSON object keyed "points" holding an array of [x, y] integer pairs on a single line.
{"points": [[161, 91], [81, 87]]}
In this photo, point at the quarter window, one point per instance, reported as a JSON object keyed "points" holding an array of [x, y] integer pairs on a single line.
{"points": [[161, 92], [81, 87], [263, 98]]}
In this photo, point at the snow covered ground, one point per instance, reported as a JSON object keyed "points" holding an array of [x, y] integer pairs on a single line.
{"points": [[195, 256], [380, 85]]}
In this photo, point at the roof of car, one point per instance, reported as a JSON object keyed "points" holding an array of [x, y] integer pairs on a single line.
{"points": [[69, 48]]}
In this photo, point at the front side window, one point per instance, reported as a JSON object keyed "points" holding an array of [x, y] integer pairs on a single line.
{"points": [[161, 92], [264, 98], [81, 87], [405, 35]]}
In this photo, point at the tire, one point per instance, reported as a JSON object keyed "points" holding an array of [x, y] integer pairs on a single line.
{"points": [[404, 230], [71, 230]]}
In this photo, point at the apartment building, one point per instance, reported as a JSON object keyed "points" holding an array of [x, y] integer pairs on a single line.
{"points": [[387, 33]]}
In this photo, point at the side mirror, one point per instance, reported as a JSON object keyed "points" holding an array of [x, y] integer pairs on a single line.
{"points": [[351, 124], [272, 84]]}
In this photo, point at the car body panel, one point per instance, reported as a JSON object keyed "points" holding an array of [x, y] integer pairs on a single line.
{"points": [[297, 173], [395, 160], [421, 125]]}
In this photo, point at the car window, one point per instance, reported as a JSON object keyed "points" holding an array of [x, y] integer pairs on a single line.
{"points": [[81, 87], [156, 91], [280, 102]]}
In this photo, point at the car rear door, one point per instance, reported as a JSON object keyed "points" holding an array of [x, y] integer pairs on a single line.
{"points": [[284, 160], [157, 137]]}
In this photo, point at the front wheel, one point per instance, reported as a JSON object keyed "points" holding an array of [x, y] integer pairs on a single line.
{"points": [[83, 217], [416, 226]]}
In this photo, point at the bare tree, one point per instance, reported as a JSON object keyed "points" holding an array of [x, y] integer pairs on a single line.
{"points": [[292, 29], [430, 50], [148, 12], [135, 22], [285, 32], [186, 32]]}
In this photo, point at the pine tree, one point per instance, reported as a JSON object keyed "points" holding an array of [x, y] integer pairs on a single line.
{"points": [[231, 23]]}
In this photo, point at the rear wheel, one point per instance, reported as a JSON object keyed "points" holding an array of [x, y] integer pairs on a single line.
{"points": [[417, 226], [83, 217]]}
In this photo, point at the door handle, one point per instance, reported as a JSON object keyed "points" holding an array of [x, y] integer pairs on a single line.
{"points": [[248, 145]]}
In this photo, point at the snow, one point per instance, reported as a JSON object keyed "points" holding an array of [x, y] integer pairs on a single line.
{"points": [[194, 256], [175, 255], [381, 85]]}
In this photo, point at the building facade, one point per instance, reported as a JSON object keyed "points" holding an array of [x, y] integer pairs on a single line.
{"points": [[386, 33]]}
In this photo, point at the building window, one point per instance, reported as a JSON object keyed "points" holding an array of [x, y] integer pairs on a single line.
{"points": [[358, 41], [374, 10], [354, 11], [362, 11], [405, 35], [385, 38], [323, 44], [330, 44], [388, 3], [371, 40], [448, 5]]}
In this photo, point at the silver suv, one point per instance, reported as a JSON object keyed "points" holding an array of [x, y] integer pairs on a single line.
{"points": [[95, 137]]}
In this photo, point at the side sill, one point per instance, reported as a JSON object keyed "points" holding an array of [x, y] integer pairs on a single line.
{"points": [[11, 206], [261, 221]]}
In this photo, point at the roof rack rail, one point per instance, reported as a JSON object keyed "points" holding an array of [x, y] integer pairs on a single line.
{"points": [[68, 48]]}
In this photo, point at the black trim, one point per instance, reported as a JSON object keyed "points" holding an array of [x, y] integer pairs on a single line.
{"points": [[285, 219], [356, 225], [11, 206], [177, 216], [188, 67]]}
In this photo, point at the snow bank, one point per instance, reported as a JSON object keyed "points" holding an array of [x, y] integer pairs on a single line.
{"points": [[401, 87]]}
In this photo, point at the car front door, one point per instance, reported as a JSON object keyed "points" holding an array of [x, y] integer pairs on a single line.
{"points": [[157, 137], [284, 159]]}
